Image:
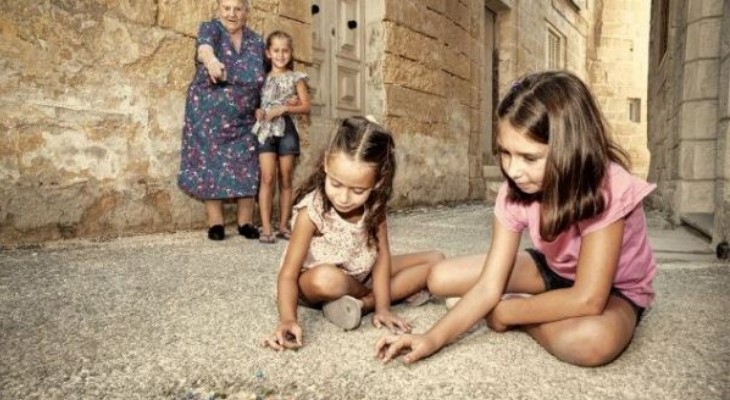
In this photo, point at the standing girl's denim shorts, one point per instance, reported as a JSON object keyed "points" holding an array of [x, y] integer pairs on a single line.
{"points": [[554, 281], [284, 145]]}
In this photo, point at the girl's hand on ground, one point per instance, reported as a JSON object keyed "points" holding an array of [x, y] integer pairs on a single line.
{"points": [[288, 335], [395, 323], [275, 111], [412, 347]]}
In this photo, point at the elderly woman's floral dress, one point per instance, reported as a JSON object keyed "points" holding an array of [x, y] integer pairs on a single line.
{"points": [[219, 157]]}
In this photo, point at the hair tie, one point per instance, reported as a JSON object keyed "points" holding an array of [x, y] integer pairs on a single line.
{"points": [[372, 119]]}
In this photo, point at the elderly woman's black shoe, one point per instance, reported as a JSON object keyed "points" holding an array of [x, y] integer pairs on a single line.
{"points": [[216, 232], [248, 231]]}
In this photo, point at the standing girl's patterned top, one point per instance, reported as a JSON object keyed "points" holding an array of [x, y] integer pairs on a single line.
{"points": [[277, 90]]}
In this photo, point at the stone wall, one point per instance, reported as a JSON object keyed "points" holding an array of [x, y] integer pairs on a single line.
{"points": [[722, 190], [618, 71], [92, 96], [93, 93], [688, 114], [430, 96]]}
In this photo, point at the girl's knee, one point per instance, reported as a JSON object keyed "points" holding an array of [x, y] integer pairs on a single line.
{"points": [[435, 257], [324, 282], [267, 179], [285, 183], [588, 346], [438, 277]]}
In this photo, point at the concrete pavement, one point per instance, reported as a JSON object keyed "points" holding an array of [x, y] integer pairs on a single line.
{"points": [[176, 316]]}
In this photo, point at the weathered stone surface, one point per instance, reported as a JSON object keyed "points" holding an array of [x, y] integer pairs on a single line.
{"points": [[299, 10], [92, 94], [425, 179], [184, 16], [458, 13], [403, 102], [415, 17], [404, 42], [413, 75]]}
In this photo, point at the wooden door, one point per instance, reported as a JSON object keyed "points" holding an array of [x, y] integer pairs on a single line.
{"points": [[337, 71]]}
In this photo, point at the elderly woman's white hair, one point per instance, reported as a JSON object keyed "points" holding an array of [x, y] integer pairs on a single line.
{"points": [[245, 3]]}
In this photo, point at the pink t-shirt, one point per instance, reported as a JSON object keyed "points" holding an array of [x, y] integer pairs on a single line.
{"points": [[624, 193]]}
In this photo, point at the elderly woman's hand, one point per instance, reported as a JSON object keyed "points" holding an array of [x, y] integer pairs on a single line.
{"points": [[216, 70]]}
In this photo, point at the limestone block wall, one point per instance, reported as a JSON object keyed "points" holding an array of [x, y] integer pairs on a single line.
{"points": [[430, 96], [92, 95], [618, 71], [663, 100], [722, 190], [688, 112]]}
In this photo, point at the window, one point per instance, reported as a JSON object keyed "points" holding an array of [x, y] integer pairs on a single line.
{"points": [[555, 51], [635, 110]]}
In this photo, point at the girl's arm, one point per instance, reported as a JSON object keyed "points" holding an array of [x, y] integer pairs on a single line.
{"points": [[300, 106], [597, 263], [287, 283], [381, 286], [475, 304], [381, 271], [487, 291], [216, 69], [304, 105], [288, 334]]}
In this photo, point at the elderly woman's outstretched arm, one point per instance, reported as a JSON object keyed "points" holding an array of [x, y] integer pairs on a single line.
{"points": [[216, 69]]}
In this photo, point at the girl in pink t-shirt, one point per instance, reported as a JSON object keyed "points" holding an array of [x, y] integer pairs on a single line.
{"points": [[588, 279], [338, 256]]}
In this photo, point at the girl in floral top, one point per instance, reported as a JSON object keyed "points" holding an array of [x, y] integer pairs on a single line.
{"points": [[339, 256], [277, 132]]}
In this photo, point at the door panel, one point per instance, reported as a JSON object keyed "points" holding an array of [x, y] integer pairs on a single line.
{"points": [[318, 71], [337, 70]]}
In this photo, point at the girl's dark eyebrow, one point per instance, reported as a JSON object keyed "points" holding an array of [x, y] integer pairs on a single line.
{"points": [[340, 183]]}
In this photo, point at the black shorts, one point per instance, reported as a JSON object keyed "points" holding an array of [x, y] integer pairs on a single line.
{"points": [[554, 281], [286, 145]]}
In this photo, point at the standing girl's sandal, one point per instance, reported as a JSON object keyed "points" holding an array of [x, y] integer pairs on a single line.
{"points": [[283, 235], [267, 239], [344, 312]]}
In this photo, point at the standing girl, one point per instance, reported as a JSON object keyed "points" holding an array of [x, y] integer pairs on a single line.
{"points": [[339, 255], [590, 274], [277, 132]]}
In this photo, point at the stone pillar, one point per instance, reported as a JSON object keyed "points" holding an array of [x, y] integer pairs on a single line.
{"points": [[722, 167], [698, 107]]}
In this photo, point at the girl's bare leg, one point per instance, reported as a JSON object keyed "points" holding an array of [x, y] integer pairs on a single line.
{"points": [[454, 277], [588, 341], [267, 162], [585, 341], [214, 212], [286, 176], [410, 271], [326, 282]]}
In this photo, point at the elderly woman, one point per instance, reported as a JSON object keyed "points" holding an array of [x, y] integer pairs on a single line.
{"points": [[219, 158]]}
